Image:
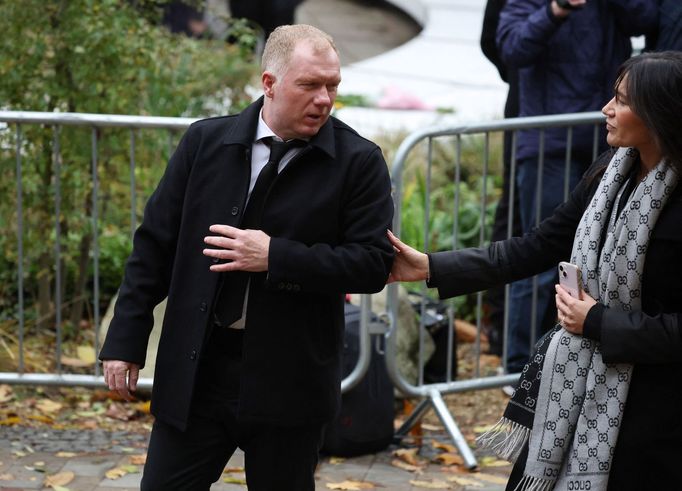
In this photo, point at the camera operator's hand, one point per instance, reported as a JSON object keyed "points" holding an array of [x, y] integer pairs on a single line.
{"points": [[563, 8]]}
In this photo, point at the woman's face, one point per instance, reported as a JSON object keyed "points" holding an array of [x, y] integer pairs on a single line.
{"points": [[624, 127]]}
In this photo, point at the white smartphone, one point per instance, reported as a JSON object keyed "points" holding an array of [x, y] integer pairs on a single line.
{"points": [[569, 278]]}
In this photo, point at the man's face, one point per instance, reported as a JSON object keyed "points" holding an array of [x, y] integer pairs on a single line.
{"points": [[298, 102]]}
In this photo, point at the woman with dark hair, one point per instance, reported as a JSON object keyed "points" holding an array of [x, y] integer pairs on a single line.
{"points": [[599, 406]]}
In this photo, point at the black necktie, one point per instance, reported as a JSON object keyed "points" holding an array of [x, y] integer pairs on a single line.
{"points": [[230, 301]]}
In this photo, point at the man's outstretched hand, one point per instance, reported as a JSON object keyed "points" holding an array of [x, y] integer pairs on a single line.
{"points": [[121, 376]]}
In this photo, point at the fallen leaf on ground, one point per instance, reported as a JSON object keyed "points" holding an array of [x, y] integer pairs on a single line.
{"points": [[118, 472], [120, 411], [409, 455], [430, 427], [490, 361], [86, 354], [491, 478], [48, 406], [90, 424], [60, 488], [65, 455], [443, 446], [58, 479], [434, 484], [493, 462], [6, 477], [42, 418], [6, 393], [74, 362], [464, 481], [233, 469], [350, 485], [449, 459], [234, 480], [12, 420], [138, 459], [405, 466], [336, 460], [143, 407]]}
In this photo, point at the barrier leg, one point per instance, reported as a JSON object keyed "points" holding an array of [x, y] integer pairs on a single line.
{"points": [[452, 428], [412, 419]]}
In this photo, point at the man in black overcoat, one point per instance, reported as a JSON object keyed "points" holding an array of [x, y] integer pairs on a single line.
{"points": [[283, 246]]}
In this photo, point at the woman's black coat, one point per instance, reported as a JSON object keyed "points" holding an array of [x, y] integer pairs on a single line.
{"points": [[649, 448]]}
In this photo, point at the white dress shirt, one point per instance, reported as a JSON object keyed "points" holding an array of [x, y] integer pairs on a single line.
{"points": [[260, 154]]}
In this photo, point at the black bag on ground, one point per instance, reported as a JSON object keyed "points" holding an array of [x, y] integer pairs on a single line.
{"points": [[365, 422]]}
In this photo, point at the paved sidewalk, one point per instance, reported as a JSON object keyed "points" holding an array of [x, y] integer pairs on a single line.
{"points": [[29, 457]]}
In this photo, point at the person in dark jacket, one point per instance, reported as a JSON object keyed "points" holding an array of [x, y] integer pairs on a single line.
{"points": [[261, 224], [502, 226], [567, 53], [599, 406], [668, 35]]}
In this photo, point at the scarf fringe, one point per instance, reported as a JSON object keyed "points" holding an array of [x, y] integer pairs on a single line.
{"points": [[530, 483], [506, 439]]}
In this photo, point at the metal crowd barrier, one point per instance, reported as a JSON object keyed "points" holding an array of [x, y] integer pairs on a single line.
{"points": [[16, 121], [431, 395]]}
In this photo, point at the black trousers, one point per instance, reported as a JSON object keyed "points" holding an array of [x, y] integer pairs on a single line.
{"points": [[275, 457]]}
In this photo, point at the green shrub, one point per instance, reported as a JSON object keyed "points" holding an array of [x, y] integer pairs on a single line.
{"points": [[104, 56], [473, 210]]}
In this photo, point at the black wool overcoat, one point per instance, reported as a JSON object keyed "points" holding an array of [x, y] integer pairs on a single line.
{"points": [[327, 215]]}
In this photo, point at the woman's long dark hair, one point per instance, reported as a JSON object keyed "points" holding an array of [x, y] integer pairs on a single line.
{"points": [[653, 82]]}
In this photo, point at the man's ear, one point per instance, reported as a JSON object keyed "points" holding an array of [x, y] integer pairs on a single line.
{"points": [[268, 80]]}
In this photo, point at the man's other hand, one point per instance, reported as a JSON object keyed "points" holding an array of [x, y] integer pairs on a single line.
{"points": [[244, 250], [121, 376]]}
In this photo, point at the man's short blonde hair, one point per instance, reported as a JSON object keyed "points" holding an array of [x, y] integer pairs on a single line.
{"points": [[282, 42]]}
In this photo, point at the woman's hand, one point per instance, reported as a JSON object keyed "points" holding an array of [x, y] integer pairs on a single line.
{"points": [[572, 312], [409, 263]]}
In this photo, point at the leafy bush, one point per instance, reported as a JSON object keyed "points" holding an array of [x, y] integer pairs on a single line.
{"points": [[105, 56], [449, 197]]}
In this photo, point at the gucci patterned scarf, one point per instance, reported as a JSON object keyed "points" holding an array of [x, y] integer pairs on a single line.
{"points": [[569, 404]]}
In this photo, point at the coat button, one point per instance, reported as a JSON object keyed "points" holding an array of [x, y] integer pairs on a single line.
{"points": [[289, 286], [203, 307], [193, 355], [235, 210], [297, 288]]}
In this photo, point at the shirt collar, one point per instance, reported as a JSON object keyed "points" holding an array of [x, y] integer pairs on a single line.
{"points": [[263, 130]]}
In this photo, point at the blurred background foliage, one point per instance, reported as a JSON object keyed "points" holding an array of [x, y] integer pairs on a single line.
{"points": [[95, 56], [461, 204], [115, 57]]}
